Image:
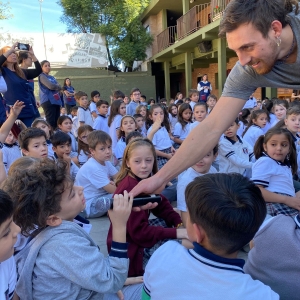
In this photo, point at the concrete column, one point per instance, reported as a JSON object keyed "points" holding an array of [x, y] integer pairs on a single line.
{"points": [[185, 6], [188, 71], [222, 67], [271, 92], [164, 19], [167, 80]]}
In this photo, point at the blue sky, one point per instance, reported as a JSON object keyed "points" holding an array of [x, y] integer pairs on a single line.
{"points": [[27, 17]]}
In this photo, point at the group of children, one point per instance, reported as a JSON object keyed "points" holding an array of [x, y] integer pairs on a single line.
{"points": [[74, 173]]}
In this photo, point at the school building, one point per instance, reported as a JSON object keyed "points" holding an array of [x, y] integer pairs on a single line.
{"points": [[186, 46]]}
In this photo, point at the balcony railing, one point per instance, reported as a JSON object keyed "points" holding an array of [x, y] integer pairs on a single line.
{"points": [[166, 38], [193, 20], [217, 8]]}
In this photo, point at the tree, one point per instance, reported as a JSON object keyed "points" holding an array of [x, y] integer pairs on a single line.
{"points": [[5, 10], [118, 20]]}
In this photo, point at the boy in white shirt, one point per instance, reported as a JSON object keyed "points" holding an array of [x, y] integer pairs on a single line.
{"points": [[75, 122], [224, 213], [97, 174], [194, 96], [84, 113], [8, 237], [100, 123]]}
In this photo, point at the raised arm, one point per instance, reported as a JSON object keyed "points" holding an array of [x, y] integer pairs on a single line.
{"points": [[199, 142]]}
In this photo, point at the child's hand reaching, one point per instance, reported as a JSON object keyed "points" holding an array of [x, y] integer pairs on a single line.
{"points": [[119, 216], [16, 108], [130, 281]]}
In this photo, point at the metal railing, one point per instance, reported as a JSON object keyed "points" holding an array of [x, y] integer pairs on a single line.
{"points": [[166, 38], [193, 20], [217, 8]]}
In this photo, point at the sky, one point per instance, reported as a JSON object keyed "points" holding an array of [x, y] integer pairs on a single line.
{"points": [[27, 17]]}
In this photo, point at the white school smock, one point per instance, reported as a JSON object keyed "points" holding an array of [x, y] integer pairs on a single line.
{"points": [[114, 126], [101, 123], [181, 133], [161, 139], [252, 134], [8, 278]]}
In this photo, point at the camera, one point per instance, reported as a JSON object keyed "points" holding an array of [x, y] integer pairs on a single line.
{"points": [[23, 46]]}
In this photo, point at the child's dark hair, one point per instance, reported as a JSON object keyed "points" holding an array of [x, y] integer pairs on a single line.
{"points": [[267, 104], [281, 102], [135, 116], [294, 110], [60, 138], [61, 119], [6, 207], [43, 121], [98, 137], [134, 90], [182, 108], [124, 170], [201, 103], [187, 99], [179, 102], [263, 139], [229, 207], [29, 133], [254, 115], [144, 97], [243, 115], [101, 102], [114, 110], [192, 92], [81, 145], [74, 108], [133, 134], [170, 110], [79, 94], [37, 192], [118, 95], [150, 101], [294, 103], [215, 149], [121, 133], [212, 96], [165, 122], [93, 94]]}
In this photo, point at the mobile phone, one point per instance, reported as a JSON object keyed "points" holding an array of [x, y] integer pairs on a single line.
{"points": [[141, 200], [23, 46]]}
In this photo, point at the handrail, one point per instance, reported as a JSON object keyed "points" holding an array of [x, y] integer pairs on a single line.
{"points": [[166, 38]]}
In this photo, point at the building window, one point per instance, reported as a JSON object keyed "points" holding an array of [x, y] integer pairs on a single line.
{"points": [[147, 28]]}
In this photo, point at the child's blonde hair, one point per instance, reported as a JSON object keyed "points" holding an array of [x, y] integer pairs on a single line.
{"points": [[124, 171]]}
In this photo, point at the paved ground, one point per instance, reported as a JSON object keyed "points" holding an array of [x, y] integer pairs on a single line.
{"points": [[100, 229]]}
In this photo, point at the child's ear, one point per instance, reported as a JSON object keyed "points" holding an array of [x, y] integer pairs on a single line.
{"points": [[53, 221], [199, 233], [25, 152], [54, 148], [92, 151], [265, 148]]}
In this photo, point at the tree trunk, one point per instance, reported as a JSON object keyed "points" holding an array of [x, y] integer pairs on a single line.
{"points": [[108, 55]]}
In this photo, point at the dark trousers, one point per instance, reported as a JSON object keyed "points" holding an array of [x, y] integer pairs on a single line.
{"points": [[27, 121], [52, 113], [68, 108]]}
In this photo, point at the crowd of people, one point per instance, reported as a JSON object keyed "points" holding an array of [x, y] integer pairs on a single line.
{"points": [[227, 178]]}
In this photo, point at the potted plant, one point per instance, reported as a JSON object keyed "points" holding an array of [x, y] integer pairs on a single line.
{"points": [[217, 12]]}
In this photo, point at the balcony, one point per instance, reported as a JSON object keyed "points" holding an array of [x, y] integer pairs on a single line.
{"points": [[166, 38], [217, 8]]}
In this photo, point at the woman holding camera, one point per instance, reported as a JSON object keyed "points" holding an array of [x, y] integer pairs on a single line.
{"points": [[17, 81]]}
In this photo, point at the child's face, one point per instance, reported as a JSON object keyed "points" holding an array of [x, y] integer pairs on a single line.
{"points": [[102, 152], [72, 202], [174, 110], [74, 113], [122, 109], [65, 126], [277, 147], [172, 101], [139, 122], [231, 131], [279, 112], [157, 112], [261, 120], [211, 102], [83, 137], [204, 164], [200, 113], [128, 125], [96, 98], [83, 101], [60, 150], [195, 97], [37, 147], [8, 237], [180, 96], [292, 123], [143, 111], [102, 109], [141, 161], [136, 96], [186, 115], [10, 139], [126, 100], [63, 111], [187, 100], [44, 127]]}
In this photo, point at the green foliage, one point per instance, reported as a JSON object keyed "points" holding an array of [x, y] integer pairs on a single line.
{"points": [[5, 10], [118, 20]]}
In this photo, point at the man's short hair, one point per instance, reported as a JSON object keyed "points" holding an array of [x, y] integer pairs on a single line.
{"points": [[98, 137], [229, 207], [29, 133], [101, 102], [259, 13], [60, 138], [6, 207], [79, 94]]}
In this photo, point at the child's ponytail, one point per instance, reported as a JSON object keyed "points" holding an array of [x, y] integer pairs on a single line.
{"points": [[259, 147]]}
